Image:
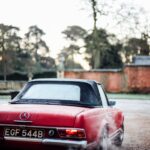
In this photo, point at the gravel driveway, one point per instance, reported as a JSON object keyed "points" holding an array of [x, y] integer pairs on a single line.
{"points": [[137, 124], [3, 101]]}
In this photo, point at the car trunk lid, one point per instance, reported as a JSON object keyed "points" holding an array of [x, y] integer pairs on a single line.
{"points": [[40, 115]]}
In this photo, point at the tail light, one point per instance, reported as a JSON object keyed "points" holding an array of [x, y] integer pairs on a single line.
{"points": [[72, 133]]}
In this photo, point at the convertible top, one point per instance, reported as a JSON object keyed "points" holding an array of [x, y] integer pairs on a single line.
{"points": [[92, 83], [65, 80]]}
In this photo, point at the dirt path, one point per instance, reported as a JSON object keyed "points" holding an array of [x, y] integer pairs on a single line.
{"points": [[137, 124]]}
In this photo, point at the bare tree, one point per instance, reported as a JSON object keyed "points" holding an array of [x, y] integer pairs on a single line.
{"points": [[113, 15]]}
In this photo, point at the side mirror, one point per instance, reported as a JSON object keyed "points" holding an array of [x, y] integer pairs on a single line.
{"points": [[112, 103], [13, 94]]}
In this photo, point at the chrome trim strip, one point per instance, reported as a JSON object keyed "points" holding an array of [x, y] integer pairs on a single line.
{"points": [[70, 143], [18, 125], [22, 139], [114, 134], [66, 143], [22, 121], [44, 127]]}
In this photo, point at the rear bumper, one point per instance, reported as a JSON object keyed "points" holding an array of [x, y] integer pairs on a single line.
{"points": [[68, 143], [57, 142]]}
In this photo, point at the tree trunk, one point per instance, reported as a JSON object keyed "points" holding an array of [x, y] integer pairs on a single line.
{"points": [[4, 63], [96, 51]]}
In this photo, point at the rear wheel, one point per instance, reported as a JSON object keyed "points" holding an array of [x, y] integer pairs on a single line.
{"points": [[119, 139], [104, 140]]}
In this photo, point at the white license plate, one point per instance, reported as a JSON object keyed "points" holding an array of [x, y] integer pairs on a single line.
{"points": [[28, 133]]}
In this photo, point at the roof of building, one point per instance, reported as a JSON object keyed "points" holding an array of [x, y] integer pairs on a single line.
{"points": [[141, 60]]}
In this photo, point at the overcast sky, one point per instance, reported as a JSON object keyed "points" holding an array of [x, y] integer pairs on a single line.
{"points": [[53, 16]]}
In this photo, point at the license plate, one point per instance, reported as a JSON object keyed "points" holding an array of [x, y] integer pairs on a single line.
{"points": [[26, 133]]}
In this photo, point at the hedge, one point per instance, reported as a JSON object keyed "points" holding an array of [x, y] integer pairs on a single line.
{"points": [[24, 77]]}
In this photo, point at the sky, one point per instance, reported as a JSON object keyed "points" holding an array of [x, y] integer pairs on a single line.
{"points": [[53, 16]]}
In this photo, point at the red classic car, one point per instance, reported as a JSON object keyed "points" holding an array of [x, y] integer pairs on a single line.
{"points": [[63, 114]]}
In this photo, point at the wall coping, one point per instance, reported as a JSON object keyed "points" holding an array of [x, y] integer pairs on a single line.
{"points": [[137, 65], [8, 81], [94, 70]]}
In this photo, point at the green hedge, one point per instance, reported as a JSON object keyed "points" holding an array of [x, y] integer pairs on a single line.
{"points": [[51, 74], [24, 77]]}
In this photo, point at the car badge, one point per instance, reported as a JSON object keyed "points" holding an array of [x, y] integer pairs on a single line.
{"points": [[24, 116], [51, 132]]}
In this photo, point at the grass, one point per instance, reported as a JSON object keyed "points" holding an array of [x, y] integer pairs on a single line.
{"points": [[110, 96], [3, 97], [129, 96]]}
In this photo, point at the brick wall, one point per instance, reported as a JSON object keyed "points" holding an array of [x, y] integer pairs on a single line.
{"points": [[130, 79], [138, 78]]}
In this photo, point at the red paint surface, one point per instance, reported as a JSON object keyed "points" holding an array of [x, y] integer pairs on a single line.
{"points": [[93, 120]]}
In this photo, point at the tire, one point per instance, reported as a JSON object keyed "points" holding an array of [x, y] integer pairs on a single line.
{"points": [[120, 137], [104, 140]]}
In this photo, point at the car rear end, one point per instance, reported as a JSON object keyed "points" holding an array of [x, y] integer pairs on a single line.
{"points": [[44, 114], [50, 136], [51, 126]]}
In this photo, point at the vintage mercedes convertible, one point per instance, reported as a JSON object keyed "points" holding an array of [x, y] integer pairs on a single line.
{"points": [[60, 114]]}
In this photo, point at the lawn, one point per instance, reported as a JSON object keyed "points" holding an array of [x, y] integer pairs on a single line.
{"points": [[128, 96], [3, 97], [111, 96]]}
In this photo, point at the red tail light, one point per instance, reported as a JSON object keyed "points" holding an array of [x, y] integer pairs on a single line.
{"points": [[72, 133]]}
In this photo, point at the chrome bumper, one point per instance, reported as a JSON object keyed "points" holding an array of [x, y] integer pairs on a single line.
{"points": [[68, 143], [57, 142]]}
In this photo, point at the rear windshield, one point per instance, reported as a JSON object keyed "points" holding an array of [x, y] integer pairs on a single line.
{"points": [[53, 92], [64, 93]]}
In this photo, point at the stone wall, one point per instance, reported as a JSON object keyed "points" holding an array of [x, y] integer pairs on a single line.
{"points": [[11, 85]]}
